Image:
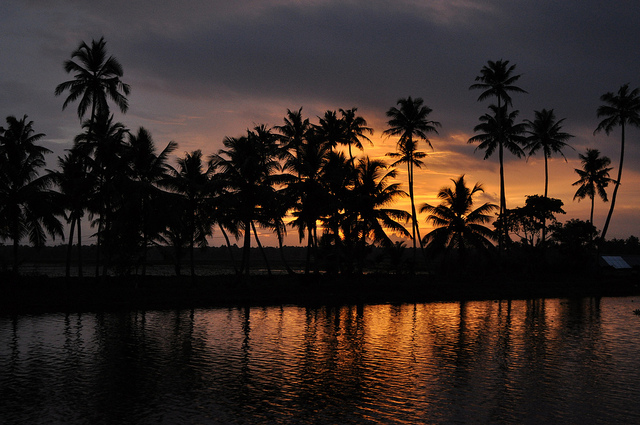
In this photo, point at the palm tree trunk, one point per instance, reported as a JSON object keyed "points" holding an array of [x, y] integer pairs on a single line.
{"points": [[281, 249], [615, 189], [413, 213], [67, 271], [264, 254], [592, 206], [546, 187], [503, 201], [226, 238], [79, 247], [246, 253]]}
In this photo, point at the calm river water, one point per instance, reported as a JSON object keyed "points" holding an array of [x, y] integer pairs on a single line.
{"points": [[521, 362]]}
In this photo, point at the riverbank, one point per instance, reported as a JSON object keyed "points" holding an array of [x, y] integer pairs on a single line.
{"points": [[44, 294]]}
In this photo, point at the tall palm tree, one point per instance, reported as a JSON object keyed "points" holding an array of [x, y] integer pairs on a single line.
{"points": [[457, 224], [76, 185], [96, 79], [594, 178], [355, 129], [410, 122], [620, 109], [500, 132], [148, 171], [248, 167], [497, 79], [192, 180], [545, 134], [373, 194], [28, 207], [104, 145]]}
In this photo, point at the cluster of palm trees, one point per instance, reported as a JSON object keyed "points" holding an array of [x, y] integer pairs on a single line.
{"points": [[297, 172]]}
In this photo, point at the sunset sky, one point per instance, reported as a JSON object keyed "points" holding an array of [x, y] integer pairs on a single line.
{"points": [[202, 70]]}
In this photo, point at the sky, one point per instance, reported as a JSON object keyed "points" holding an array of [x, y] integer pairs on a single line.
{"points": [[200, 70]]}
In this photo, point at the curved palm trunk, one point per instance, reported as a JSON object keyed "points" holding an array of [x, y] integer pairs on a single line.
{"points": [[615, 189], [281, 249], [67, 271], [503, 201], [246, 247], [546, 187], [79, 247], [229, 249], [592, 207], [414, 217], [264, 254]]}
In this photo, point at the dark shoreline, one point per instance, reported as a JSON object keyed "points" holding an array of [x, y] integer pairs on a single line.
{"points": [[34, 294]]}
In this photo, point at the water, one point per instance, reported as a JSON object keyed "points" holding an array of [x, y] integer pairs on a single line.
{"points": [[520, 362]]}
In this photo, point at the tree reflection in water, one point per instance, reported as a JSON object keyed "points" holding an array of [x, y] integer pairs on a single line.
{"points": [[535, 361]]}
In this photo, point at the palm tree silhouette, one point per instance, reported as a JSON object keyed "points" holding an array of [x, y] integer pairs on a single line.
{"points": [[355, 129], [247, 168], [28, 208], [594, 178], [544, 133], [76, 185], [496, 79], [192, 180], [457, 224], [499, 132], [371, 197], [103, 143], [96, 79], [410, 122], [148, 172], [620, 109]]}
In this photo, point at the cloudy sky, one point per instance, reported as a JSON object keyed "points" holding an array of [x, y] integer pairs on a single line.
{"points": [[202, 70]]}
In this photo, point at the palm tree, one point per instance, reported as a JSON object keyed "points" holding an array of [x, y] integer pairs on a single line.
{"points": [[372, 196], [104, 146], [499, 131], [96, 79], [594, 178], [620, 109], [148, 171], [247, 168], [355, 129], [497, 79], [457, 224], [76, 185], [545, 134], [28, 208], [410, 122], [192, 180]]}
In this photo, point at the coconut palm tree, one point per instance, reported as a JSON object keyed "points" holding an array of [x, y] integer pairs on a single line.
{"points": [[248, 167], [500, 132], [355, 130], [28, 207], [96, 79], [620, 109], [410, 122], [148, 171], [104, 145], [497, 79], [545, 134], [594, 178], [76, 185], [372, 195], [192, 180], [457, 224]]}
